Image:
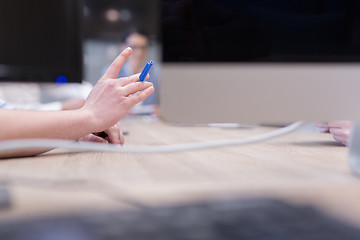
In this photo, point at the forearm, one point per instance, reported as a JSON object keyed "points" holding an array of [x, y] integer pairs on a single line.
{"points": [[22, 153], [72, 125]]}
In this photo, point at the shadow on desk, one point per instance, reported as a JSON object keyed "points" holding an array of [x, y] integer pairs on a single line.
{"points": [[317, 144]]}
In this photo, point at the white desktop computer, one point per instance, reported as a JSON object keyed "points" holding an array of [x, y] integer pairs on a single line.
{"points": [[261, 62]]}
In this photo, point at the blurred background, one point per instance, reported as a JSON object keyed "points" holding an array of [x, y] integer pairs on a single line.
{"points": [[44, 44], [106, 22]]}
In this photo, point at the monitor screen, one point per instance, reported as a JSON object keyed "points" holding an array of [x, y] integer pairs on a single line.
{"points": [[259, 60], [40, 41], [261, 31]]}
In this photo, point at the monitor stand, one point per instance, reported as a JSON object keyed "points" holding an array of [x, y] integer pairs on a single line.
{"points": [[354, 149]]}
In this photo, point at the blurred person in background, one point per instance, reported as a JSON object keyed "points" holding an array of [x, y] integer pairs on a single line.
{"points": [[139, 41]]}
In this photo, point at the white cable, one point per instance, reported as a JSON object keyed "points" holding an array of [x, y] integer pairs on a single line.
{"points": [[101, 147]]}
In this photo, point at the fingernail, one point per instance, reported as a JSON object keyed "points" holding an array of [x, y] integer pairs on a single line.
{"points": [[128, 49]]}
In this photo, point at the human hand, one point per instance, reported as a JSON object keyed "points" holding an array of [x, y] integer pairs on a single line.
{"points": [[112, 135], [339, 129], [111, 98]]}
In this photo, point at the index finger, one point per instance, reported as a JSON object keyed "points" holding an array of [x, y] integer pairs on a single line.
{"points": [[114, 69], [340, 124], [322, 127]]}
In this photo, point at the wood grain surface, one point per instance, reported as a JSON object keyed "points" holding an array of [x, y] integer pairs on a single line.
{"points": [[303, 167]]}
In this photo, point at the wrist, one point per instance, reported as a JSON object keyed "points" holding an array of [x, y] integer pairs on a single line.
{"points": [[89, 121]]}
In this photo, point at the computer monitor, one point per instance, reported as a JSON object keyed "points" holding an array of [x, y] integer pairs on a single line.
{"points": [[40, 41], [260, 61]]}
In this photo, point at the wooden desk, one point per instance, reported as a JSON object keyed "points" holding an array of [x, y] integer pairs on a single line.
{"points": [[302, 167]]}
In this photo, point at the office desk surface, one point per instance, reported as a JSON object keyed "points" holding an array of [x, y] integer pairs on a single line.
{"points": [[302, 167]]}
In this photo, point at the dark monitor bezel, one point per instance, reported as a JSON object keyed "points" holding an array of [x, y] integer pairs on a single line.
{"points": [[48, 74]]}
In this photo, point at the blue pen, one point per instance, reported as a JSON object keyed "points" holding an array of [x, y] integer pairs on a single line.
{"points": [[145, 71]]}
